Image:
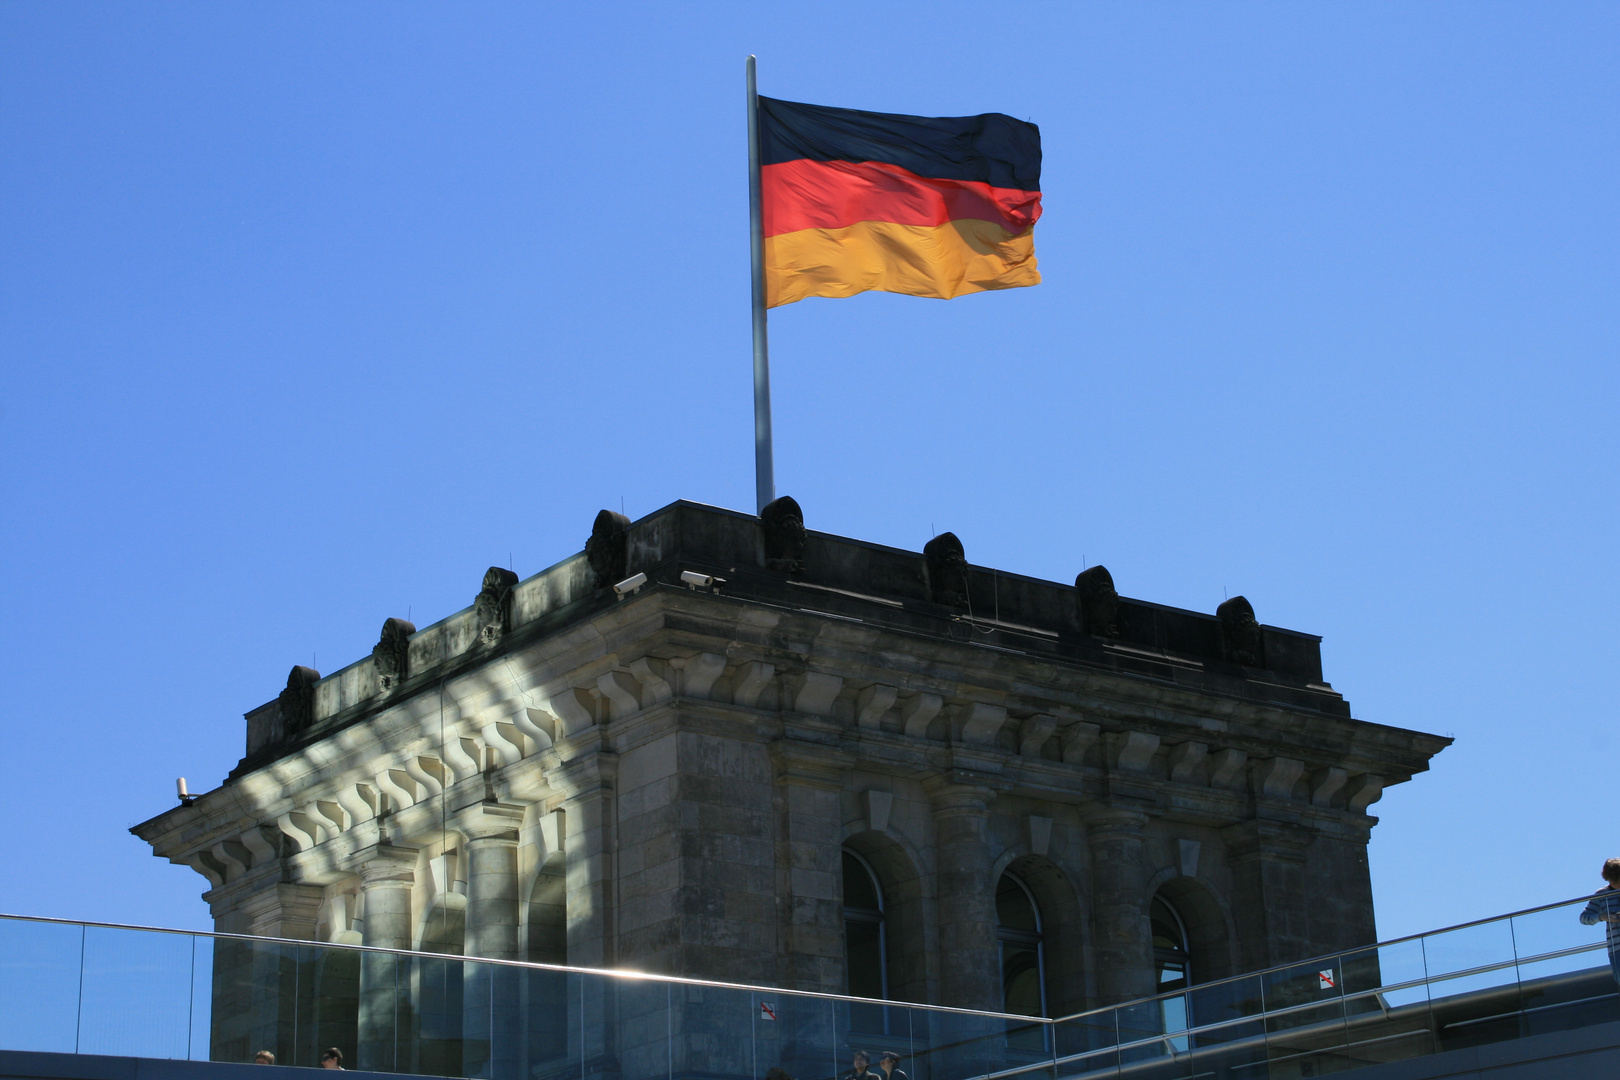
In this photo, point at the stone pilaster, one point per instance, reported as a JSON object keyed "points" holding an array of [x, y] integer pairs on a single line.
{"points": [[1121, 939], [809, 866], [970, 976], [255, 983], [1270, 900], [387, 875], [491, 1040]]}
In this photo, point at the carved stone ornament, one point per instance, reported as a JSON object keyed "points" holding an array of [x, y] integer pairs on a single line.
{"points": [[1240, 633], [783, 524], [607, 550], [492, 607], [947, 570], [391, 654], [298, 699], [1097, 602]]}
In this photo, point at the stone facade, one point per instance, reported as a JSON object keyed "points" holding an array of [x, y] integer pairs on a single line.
{"points": [[666, 775]]}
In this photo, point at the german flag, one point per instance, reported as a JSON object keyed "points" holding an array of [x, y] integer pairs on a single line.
{"points": [[926, 206]]}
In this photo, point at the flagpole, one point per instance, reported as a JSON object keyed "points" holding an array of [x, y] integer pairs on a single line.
{"points": [[764, 465]]}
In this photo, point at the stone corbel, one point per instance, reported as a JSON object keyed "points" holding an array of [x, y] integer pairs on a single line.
{"points": [[505, 740], [1133, 750], [981, 723], [1226, 768], [654, 687], [398, 786], [429, 774], [814, 693], [917, 713], [1327, 783], [465, 758], [1363, 791], [622, 692], [205, 864], [357, 801], [328, 815], [1276, 777], [574, 708], [871, 703], [752, 680], [1185, 758], [1079, 737], [303, 832], [538, 724], [1033, 733], [876, 805], [233, 857], [699, 674], [261, 850]]}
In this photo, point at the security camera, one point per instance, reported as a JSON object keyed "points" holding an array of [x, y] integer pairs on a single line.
{"points": [[695, 580], [630, 584]]}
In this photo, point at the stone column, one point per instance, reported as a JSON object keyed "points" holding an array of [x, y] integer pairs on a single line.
{"points": [[1122, 940], [491, 1039], [970, 974], [387, 875]]}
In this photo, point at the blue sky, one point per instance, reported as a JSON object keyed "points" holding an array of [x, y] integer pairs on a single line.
{"points": [[310, 313]]}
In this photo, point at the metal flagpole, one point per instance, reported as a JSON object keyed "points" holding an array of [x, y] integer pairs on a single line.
{"points": [[764, 466]]}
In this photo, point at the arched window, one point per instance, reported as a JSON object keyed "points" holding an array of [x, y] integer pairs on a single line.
{"points": [[1172, 965], [865, 961], [1018, 930], [1172, 959]]}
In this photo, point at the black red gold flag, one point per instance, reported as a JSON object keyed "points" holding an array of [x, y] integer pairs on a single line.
{"points": [[927, 206]]}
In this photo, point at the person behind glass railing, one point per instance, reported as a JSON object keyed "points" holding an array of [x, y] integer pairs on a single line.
{"points": [[1605, 908], [264, 1057], [889, 1062], [861, 1072], [332, 1058]]}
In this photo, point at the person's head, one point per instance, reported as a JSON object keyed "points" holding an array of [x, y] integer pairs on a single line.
{"points": [[776, 1072], [331, 1058], [1611, 871], [861, 1060], [888, 1061], [264, 1057]]}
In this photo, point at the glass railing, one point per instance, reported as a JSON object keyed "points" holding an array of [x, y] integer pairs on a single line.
{"points": [[1529, 973], [96, 989]]}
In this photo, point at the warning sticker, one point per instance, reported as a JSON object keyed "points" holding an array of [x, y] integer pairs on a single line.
{"points": [[1326, 980], [767, 1011]]}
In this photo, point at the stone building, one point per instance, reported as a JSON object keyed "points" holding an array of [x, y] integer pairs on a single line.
{"points": [[721, 746]]}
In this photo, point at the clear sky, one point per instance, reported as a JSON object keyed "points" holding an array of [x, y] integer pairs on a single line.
{"points": [[310, 313]]}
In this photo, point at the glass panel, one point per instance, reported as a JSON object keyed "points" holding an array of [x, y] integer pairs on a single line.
{"points": [[137, 994], [202, 996], [1305, 1032], [548, 1001], [649, 1013], [1229, 1040], [430, 998], [39, 985], [1554, 930], [801, 1040], [1086, 1045], [1473, 985], [1385, 1025]]}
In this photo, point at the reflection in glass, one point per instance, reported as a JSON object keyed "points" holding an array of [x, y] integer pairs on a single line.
{"points": [[1172, 963], [865, 955]]}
